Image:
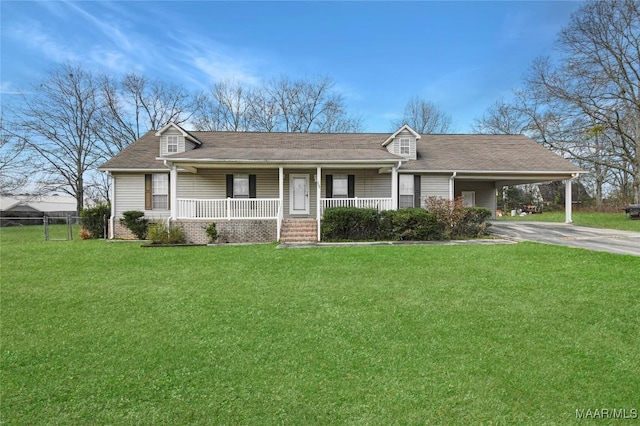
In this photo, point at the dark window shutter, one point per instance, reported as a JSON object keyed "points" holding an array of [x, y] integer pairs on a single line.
{"points": [[229, 186], [351, 186], [416, 191], [252, 186], [148, 203], [329, 186]]}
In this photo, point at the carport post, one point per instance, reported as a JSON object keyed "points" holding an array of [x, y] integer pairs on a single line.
{"points": [[567, 200]]}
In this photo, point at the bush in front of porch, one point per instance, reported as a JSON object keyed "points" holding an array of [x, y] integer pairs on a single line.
{"points": [[408, 224]]}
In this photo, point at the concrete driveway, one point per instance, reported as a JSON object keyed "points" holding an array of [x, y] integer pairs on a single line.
{"points": [[598, 239]]}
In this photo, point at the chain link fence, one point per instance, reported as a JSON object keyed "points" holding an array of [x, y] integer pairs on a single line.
{"points": [[64, 228]]}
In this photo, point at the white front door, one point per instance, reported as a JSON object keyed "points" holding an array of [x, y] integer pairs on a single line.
{"points": [[298, 194]]}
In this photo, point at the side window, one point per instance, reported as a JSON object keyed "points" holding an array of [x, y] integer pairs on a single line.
{"points": [[406, 191], [156, 191], [160, 191]]}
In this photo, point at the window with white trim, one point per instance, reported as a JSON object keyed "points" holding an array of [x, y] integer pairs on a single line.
{"points": [[172, 144], [340, 186], [160, 191], [240, 186], [405, 146], [406, 191]]}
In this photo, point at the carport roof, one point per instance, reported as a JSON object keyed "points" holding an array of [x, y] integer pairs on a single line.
{"points": [[486, 153]]}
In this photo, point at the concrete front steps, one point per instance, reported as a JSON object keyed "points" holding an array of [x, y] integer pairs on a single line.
{"points": [[299, 231]]}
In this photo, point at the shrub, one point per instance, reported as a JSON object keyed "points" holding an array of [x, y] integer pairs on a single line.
{"points": [[160, 233], [212, 232], [134, 221], [85, 234], [94, 220], [410, 224], [349, 223], [458, 221]]}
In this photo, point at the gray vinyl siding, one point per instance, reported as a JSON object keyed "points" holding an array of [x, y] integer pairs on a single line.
{"points": [[129, 189], [368, 183], [394, 146], [485, 193], [434, 186], [207, 184]]}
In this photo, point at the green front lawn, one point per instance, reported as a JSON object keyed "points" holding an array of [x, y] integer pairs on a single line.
{"points": [[112, 333], [598, 220]]}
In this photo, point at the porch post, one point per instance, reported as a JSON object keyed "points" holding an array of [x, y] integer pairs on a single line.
{"points": [[567, 201], [174, 191], [394, 187], [281, 197], [318, 187]]}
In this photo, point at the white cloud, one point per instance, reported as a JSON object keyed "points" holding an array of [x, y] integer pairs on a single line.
{"points": [[31, 33], [8, 88]]}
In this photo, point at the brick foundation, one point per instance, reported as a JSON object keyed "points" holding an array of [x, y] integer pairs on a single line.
{"points": [[229, 231]]}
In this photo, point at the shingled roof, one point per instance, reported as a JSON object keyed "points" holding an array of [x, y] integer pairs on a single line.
{"points": [[486, 153], [479, 153]]}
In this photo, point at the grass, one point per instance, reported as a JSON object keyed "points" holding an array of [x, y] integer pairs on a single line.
{"points": [[111, 333], [594, 219]]}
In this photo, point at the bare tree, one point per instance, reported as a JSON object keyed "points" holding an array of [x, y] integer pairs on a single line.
{"points": [[152, 103], [226, 108], [424, 117], [58, 124], [17, 166], [502, 118], [281, 104], [599, 77]]}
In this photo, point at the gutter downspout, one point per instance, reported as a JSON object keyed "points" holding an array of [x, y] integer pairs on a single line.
{"points": [[112, 219], [452, 186]]}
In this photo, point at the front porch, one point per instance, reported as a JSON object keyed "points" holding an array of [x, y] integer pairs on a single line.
{"points": [[278, 193]]}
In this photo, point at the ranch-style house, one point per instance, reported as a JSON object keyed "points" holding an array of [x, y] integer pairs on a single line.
{"points": [[261, 187]]}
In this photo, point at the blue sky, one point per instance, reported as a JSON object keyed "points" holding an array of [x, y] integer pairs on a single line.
{"points": [[460, 55]]}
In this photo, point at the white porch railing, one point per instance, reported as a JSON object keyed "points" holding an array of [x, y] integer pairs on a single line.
{"points": [[362, 203], [228, 208]]}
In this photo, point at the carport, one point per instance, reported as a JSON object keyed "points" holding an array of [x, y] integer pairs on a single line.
{"points": [[480, 188]]}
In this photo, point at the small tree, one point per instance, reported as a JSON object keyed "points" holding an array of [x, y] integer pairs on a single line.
{"points": [[93, 220], [136, 223], [212, 233]]}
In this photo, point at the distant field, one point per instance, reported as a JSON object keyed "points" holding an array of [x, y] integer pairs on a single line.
{"points": [[94, 332], [599, 220]]}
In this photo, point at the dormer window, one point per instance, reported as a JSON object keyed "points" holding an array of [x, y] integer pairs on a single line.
{"points": [[405, 146], [172, 144]]}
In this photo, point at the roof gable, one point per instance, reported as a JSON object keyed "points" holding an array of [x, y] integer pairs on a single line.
{"points": [[187, 135], [400, 130]]}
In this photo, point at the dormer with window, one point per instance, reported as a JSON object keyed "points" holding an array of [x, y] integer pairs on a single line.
{"points": [[174, 139], [403, 142]]}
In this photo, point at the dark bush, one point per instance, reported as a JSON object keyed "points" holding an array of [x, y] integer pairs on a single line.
{"points": [[410, 224], [473, 224], [134, 221], [349, 223], [94, 220]]}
